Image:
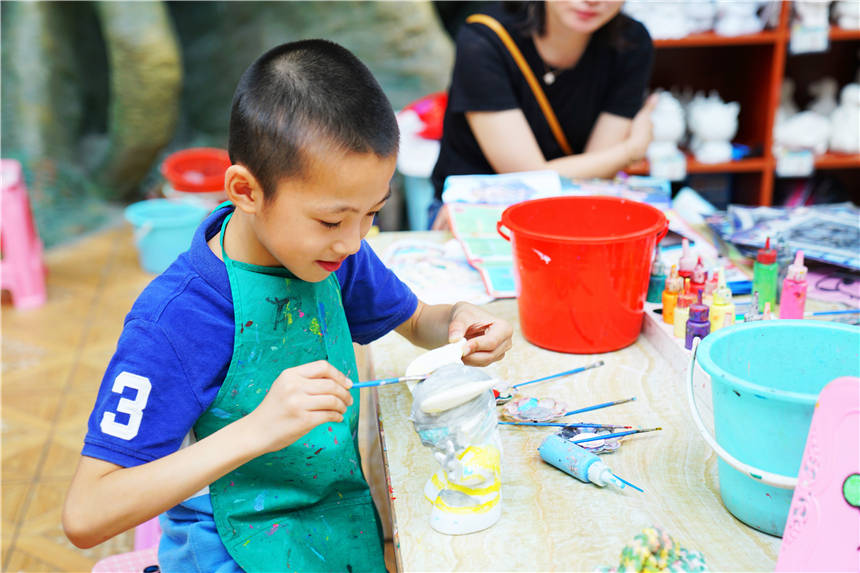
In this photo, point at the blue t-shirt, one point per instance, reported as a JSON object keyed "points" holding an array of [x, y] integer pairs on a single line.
{"points": [[172, 357]]}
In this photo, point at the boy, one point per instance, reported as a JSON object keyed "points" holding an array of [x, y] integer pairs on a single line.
{"points": [[245, 342]]}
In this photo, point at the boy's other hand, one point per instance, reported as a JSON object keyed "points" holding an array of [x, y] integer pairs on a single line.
{"points": [[300, 399], [489, 337]]}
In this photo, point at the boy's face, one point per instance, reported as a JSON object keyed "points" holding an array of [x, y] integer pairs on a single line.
{"points": [[315, 221]]}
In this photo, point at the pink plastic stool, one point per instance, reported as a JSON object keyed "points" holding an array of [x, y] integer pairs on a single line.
{"points": [[131, 562], [147, 534], [22, 271], [145, 554]]}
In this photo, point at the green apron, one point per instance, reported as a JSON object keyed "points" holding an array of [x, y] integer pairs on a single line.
{"points": [[306, 507]]}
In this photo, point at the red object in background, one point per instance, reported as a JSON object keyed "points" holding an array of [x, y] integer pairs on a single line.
{"points": [[198, 169], [431, 111]]}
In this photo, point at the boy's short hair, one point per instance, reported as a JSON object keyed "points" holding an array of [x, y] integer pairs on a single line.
{"points": [[311, 92]]}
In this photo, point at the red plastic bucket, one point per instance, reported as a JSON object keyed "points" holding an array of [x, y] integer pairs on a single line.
{"points": [[196, 170], [581, 266]]}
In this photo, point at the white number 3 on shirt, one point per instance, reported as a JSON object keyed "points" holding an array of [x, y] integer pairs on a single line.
{"points": [[134, 408]]}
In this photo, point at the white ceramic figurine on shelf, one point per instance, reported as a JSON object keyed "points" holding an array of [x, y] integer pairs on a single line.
{"points": [[668, 128], [713, 124], [787, 106], [735, 18], [664, 20], [813, 13], [847, 13], [805, 130], [700, 15], [845, 121], [824, 92]]}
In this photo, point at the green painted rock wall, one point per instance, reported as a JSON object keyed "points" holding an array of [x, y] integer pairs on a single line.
{"points": [[95, 94]]}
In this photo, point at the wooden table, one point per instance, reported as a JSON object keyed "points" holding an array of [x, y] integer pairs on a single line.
{"points": [[551, 521]]}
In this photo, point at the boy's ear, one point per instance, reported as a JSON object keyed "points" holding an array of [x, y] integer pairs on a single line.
{"points": [[243, 189]]}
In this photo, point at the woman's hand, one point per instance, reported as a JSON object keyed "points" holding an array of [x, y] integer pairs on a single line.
{"points": [[641, 131], [489, 337]]}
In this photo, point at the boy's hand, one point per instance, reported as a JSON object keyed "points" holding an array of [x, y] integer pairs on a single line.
{"points": [[489, 337], [300, 399]]}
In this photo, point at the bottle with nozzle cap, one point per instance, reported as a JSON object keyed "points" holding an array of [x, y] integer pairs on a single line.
{"points": [[575, 460], [674, 284], [793, 299], [722, 312], [657, 281], [765, 273], [687, 262], [682, 309]]}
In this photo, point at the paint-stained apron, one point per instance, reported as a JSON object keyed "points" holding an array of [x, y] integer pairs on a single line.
{"points": [[306, 507]]}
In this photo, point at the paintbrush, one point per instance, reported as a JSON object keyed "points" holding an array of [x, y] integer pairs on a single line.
{"points": [[615, 435], [563, 425], [386, 381], [597, 407], [622, 480], [560, 374]]}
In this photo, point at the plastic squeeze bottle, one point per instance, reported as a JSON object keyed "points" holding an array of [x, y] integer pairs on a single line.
{"points": [[765, 272], [752, 314], [657, 282], [575, 460], [722, 312], [682, 309], [674, 284], [698, 323], [793, 299], [710, 286], [687, 262], [699, 276]]}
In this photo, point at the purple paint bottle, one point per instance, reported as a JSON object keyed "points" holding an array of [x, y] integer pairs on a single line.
{"points": [[698, 324]]}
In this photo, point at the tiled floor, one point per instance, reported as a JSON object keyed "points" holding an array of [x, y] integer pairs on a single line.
{"points": [[52, 362], [53, 359]]}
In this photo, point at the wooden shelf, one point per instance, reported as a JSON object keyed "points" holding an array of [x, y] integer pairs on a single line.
{"points": [[841, 34], [741, 166], [838, 161], [706, 39]]}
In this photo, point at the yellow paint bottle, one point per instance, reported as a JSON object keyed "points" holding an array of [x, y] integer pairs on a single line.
{"points": [[722, 308], [682, 309], [674, 284]]}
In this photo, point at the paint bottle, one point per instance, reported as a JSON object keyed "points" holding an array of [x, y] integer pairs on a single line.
{"points": [[682, 309], [657, 282], [765, 271], [674, 284], [575, 460], [710, 287], [698, 324], [722, 312], [752, 314], [699, 276], [687, 262], [793, 299], [784, 258]]}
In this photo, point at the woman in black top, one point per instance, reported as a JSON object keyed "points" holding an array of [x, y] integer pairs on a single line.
{"points": [[593, 63]]}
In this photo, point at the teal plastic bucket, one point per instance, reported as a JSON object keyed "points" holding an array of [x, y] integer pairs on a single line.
{"points": [[765, 380], [163, 229]]}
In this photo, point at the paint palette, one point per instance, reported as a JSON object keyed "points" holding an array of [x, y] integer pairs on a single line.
{"points": [[527, 409], [595, 446]]}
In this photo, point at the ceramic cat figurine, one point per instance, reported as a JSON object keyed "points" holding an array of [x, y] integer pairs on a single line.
{"points": [[844, 122], [713, 124]]}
